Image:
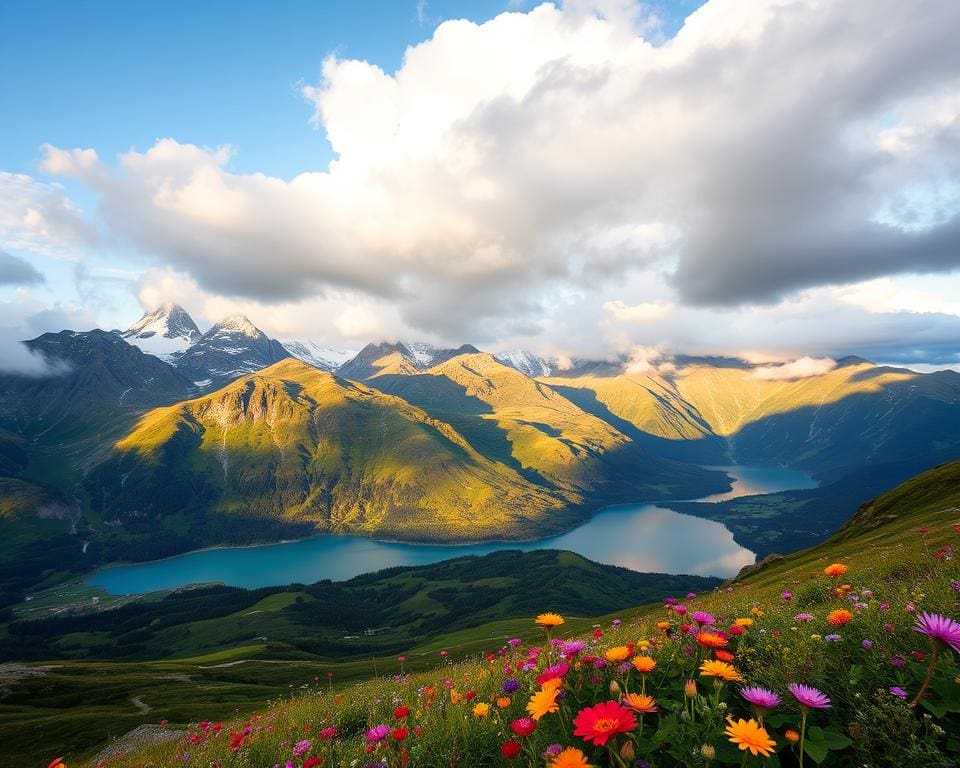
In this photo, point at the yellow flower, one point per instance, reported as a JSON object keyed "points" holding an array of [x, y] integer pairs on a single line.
{"points": [[571, 757], [640, 702], [720, 669], [549, 620], [835, 570], [643, 644], [747, 734], [643, 664], [756, 611], [620, 653], [455, 696], [503, 702], [743, 622], [543, 702], [481, 710]]}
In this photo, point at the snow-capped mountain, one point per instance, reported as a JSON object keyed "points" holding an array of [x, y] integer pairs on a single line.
{"points": [[233, 347], [324, 358], [527, 362], [166, 332]]}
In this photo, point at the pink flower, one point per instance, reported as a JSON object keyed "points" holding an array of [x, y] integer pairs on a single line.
{"points": [[943, 631], [808, 696]]}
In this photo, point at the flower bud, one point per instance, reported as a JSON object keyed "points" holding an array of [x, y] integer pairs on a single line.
{"points": [[792, 736], [690, 689], [614, 688], [708, 752], [627, 752]]}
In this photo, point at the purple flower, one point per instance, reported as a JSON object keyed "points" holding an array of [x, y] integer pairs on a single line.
{"points": [[703, 618], [617, 622], [787, 595], [943, 631], [680, 608], [378, 733], [510, 685], [301, 748], [898, 692], [514, 642], [552, 751], [898, 661], [673, 600], [803, 617], [761, 698], [868, 644], [691, 595], [573, 647], [808, 696], [832, 638], [955, 585]]}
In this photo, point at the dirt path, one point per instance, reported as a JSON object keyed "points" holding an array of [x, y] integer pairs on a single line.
{"points": [[141, 705]]}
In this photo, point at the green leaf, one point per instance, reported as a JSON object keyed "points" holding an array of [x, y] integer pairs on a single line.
{"points": [[835, 739], [816, 749]]}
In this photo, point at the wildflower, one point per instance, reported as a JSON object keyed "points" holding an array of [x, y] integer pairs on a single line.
{"points": [[301, 748], [543, 702], [378, 733], [703, 618], [839, 617], [761, 698], [644, 664], [708, 752], [809, 696], [748, 734], [721, 670], [802, 617], [523, 726], [836, 570], [663, 626], [712, 639], [943, 632], [556, 672], [481, 710], [680, 609], [867, 644], [571, 757], [898, 692], [399, 734], [312, 762], [832, 638], [791, 735], [619, 653], [744, 622], [549, 620], [640, 703], [236, 741], [510, 749], [787, 595], [721, 655], [599, 723], [510, 685], [690, 689], [57, 762], [328, 733], [573, 647], [503, 702], [401, 712]]}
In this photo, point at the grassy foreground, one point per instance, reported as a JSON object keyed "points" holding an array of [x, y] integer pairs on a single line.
{"points": [[664, 686]]}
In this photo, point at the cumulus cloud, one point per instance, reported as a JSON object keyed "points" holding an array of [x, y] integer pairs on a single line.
{"points": [[649, 360], [16, 271], [39, 217], [801, 368], [541, 159]]}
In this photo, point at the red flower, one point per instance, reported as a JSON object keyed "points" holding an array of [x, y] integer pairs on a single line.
{"points": [[399, 734], [469, 695], [523, 726], [510, 749], [722, 655], [236, 741], [736, 629], [217, 727], [401, 712], [599, 723], [311, 762], [597, 633]]}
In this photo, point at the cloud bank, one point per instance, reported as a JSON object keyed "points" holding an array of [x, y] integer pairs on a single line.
{"points": [[556, 158]]}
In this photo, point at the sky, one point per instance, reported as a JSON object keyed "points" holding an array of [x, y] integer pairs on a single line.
{"points": [[777, 180]]}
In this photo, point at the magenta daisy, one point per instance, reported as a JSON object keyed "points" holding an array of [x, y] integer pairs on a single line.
{"points": [[378, 733], [808, 696], [703, 618], [940, 629], [761, 698]]}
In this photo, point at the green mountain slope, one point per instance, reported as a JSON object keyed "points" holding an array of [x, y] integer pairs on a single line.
{"points": [[296, 444]]}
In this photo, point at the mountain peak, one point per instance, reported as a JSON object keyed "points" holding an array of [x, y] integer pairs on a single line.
{"points": [[238, 323], [165, 332]]}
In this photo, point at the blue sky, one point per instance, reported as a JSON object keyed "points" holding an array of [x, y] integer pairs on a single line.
{"points": [[579, 179]]}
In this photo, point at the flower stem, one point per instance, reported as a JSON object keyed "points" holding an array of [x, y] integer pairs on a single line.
{"points": [[927, 679], [803, 732]]}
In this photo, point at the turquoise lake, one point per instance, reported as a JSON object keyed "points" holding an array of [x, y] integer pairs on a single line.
{"points": [[641, 536]]}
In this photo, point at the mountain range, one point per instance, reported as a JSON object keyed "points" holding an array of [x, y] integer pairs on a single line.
{"points": [[161, 438]]}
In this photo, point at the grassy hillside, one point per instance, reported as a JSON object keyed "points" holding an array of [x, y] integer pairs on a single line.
{"points": [[293, 443], [234, 648], [848, 633]]}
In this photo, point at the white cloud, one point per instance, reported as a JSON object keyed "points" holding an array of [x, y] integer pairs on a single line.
{"points": [[513, 169], [801, 368], [39, 217]]}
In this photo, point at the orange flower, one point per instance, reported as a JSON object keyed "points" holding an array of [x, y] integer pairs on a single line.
{"points": [[620, 653], [791, 735], [57, 763], [743, 623], [721, 670], [481, 710], [640, 703], [601, 722], [543, 702], [839, 617], [549, 620], [835, 570], [723, 655], [503, 702], [570, 758], [643, 664], [747, 734], [663, 626], [711, 640]]}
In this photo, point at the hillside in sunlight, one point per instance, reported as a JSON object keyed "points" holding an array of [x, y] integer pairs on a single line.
{"points": [[840, 618]]}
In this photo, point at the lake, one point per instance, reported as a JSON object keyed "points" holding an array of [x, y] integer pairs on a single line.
{"points": [[641, 536]]}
